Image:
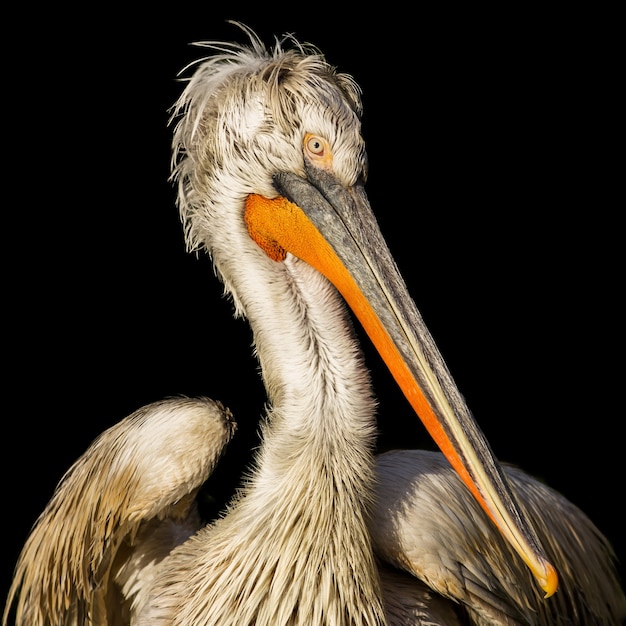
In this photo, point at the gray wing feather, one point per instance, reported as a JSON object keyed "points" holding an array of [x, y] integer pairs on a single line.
{"points": [[426, 523]]}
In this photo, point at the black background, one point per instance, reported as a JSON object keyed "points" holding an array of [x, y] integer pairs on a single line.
{"points": [[491, 140]]}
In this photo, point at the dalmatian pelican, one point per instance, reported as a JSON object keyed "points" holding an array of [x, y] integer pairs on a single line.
{"points": [[270, 167]]}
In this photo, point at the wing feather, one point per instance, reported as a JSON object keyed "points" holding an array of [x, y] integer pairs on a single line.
{"points": [[426, 523], [129, 497]]}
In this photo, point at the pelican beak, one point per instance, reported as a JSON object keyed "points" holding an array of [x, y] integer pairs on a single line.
{"points": [[332, 228]]}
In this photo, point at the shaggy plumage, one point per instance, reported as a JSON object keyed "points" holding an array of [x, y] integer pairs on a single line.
{"points": [[318, 534]]}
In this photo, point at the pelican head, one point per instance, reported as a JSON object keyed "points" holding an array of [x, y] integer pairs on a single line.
{"points": [[247, 115]]}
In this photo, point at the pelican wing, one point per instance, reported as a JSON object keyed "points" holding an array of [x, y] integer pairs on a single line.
{"points": [[117, 512], [427, 524], [408, 600]]}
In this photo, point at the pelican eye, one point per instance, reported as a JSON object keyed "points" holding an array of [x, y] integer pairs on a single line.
{"points": [[318, 150], [315, 145]]}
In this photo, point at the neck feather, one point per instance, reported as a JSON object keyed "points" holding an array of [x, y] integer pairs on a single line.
{"points": [[294, 548]]}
